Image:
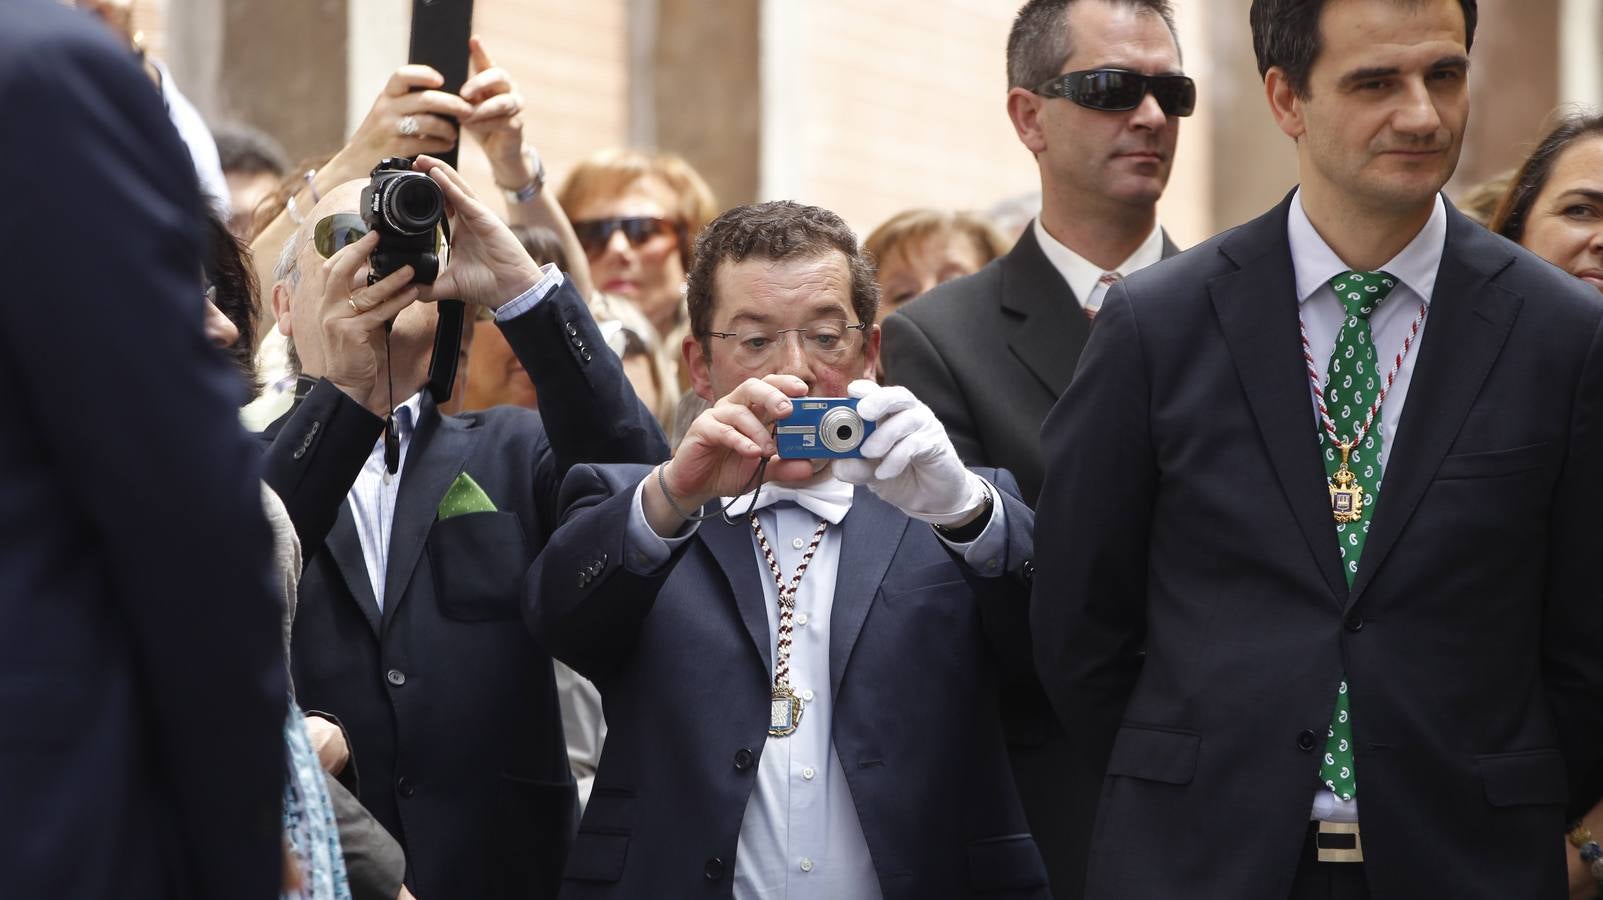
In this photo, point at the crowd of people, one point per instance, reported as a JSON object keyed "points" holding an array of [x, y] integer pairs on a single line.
{"points": [[306, 621]]}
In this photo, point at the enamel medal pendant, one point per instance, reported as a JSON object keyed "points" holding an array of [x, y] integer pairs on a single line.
{"points": [[1346, 494], [784, 711]]}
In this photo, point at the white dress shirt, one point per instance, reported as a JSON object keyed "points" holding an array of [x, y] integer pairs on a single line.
{"points": [[372, 496], [1415, 267], [1085, 277], [800, 838]]}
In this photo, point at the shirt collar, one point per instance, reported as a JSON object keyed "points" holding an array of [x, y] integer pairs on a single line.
{"points": [[1315, 263], [1081, 274], [405, 422]]}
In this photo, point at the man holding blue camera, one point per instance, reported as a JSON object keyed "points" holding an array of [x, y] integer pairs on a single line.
{"points": [[800, 679]]}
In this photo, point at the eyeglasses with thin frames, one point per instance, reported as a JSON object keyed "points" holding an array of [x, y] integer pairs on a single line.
{"points": [[827, 340]]}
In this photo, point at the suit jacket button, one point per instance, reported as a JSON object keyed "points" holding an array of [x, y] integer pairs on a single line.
{"points": [[405, 787], [742, 759], [584, 355], [595, 569], [570, 329], [584, 578], [1305, 740], [1029, 571], [714, 869], [395, 677], [1354, 622]]}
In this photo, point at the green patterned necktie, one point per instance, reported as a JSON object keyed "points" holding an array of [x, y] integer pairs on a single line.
{"points": [[1352, 384]]}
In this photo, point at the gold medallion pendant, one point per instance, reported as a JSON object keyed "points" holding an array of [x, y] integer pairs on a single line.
{"points": [[1346, 494], [784, 711]]}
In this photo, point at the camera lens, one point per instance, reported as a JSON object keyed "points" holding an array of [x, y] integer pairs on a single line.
{"points": [[841, 429], [413, 203]]}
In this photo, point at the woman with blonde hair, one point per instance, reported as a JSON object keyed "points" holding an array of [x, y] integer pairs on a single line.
{"points": [[917, 249], [637, 216]]}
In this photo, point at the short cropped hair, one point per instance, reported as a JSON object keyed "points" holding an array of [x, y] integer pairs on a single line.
{"points": [[777, 230], [249, 151], [1285, 33], [1040, 42], [1515, 209]]}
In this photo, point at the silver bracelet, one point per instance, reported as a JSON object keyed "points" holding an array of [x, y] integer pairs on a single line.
{"points": [[294, 214], [310, 174], [536, 183]]}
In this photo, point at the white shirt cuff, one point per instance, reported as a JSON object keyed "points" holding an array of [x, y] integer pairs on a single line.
{"points": [[550, 280], [987, 553], [644, 550]]}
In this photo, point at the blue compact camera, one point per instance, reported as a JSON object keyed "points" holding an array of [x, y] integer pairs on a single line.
{"points": [[822, 428]]}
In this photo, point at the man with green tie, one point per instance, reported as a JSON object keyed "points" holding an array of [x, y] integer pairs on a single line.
{"points": [[1326, 495]]}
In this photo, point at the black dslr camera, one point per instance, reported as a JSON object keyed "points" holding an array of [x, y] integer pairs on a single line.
{"points": [[405, 208]]}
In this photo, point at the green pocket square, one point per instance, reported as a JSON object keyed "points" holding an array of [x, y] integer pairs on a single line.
{"points": [[465, 496]]}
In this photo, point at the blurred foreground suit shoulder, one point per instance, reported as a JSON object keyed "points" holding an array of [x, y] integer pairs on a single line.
{"points": [[141, 664]]}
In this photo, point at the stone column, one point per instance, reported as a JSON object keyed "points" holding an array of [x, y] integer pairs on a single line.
{"points": [[278, 66], [705, 92]]}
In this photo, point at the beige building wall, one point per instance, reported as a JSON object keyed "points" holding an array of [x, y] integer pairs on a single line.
{"points": [[864, 106], [881, 105]]}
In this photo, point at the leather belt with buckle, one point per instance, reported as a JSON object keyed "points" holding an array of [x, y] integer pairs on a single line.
{"points": [[1338, 842]]}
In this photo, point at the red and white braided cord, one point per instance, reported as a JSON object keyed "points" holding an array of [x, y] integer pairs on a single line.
{"points": [[1374, 408], [787, 594]]}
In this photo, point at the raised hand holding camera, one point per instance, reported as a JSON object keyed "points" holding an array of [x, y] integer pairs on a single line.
{"points": [[487, 265], [722, 450], [908, 460], [355, 313]]}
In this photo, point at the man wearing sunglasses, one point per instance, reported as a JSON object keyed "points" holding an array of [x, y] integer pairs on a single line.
{"points": [[408, 628], [1323, 600], [1096, 94]]}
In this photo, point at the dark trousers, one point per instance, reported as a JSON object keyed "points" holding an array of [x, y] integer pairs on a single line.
{"points": [[1326, 880]]}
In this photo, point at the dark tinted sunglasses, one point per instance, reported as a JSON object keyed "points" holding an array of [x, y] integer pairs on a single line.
{"points": [[1118, 90], [595, 233], [334, 233]]}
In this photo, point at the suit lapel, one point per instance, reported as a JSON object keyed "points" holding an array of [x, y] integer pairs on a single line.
{"points": [[1257, 310], [439, 449], [870, 535], [345, 548], [1467, 325], [1050, 328], [732, 548]]}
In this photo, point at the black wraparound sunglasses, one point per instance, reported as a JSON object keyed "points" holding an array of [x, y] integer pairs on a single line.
{"points": [[1119, 90]]}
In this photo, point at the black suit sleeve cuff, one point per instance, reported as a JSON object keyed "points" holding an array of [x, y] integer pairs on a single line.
{"points": [[316, 457]]}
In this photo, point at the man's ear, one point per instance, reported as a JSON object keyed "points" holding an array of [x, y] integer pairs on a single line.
{"points": [[871, 354], [1284, 103], [1024, 110], [700, 370], [281, 308]]}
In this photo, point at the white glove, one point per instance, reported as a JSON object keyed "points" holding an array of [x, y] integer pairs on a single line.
{"points": [[909, 461]]}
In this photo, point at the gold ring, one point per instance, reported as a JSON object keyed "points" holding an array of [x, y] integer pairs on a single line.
{"points": [[354, 308]]}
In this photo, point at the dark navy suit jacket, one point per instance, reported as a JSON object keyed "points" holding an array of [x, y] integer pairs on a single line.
{"points": [[142, 685], [450, 705], [683, 663], [1192, 620]]}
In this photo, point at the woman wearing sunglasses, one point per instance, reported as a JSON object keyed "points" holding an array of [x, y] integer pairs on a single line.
{"points": [[637, 216]]}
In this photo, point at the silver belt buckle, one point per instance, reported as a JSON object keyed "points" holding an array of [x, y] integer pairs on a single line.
{"points": [[1341, 848]]}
